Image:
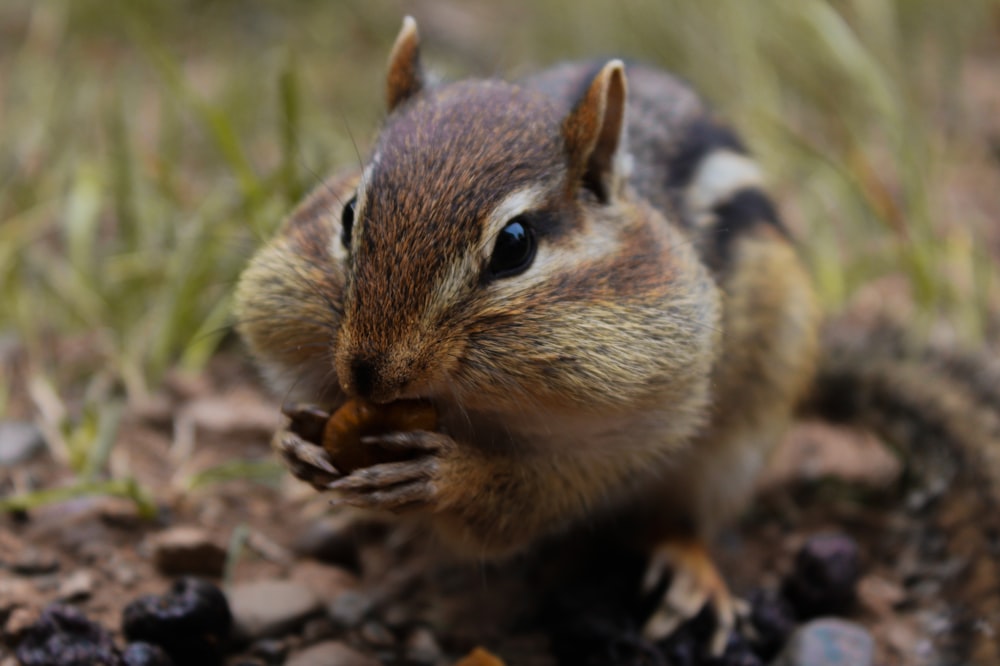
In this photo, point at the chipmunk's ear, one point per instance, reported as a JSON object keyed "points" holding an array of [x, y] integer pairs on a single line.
{"points": [[594, 132], [406, 78]]}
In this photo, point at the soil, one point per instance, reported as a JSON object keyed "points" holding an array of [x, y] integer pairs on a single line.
{"points": [[823, 480]]}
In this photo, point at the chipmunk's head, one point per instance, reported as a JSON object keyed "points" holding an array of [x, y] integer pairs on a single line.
{"points": [[476, 243]]}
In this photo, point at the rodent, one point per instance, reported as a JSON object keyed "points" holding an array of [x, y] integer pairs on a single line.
{"points": [[583, 274]]}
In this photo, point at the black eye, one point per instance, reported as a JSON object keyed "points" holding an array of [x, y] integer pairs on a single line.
{"points": [[347, 222], [514, 250]]}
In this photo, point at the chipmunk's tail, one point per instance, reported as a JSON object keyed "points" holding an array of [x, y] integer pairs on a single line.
{"points": [[940, 409]]}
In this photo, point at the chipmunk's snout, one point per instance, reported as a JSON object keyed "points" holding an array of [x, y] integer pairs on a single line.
{"points": [[363, 377], [379, 377]]}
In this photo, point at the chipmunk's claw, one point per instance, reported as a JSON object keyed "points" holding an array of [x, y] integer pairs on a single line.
{"points": [[405, 485], [306, 461], [695, 583]]}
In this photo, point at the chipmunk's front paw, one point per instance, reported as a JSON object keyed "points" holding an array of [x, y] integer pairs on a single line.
{"points": [[301, 445], [695, 583], [403, 485]]}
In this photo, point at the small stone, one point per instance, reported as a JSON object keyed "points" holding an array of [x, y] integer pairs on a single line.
{"points": [[376, 635], [828, 642], [325, 580], [20, 619], [825, 575], [34, 562], [332, 539], [880, 595], [77, 586], [271, 607], [318, 629], [422, 647], [185, 550], [15, 592], [331, 653], [349, 608], [270, 650], [19, 442]]}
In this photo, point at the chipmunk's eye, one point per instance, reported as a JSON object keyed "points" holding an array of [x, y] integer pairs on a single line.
{"points": [[347, 221], [514, 249]]}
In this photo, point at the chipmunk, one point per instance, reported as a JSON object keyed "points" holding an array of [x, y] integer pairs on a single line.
{"points": [[583, 274]]}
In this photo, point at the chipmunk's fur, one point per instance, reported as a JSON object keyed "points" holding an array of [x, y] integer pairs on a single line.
{"points": [[643, 365]]}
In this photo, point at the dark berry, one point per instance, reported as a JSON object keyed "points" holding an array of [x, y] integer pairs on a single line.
{"points": [[190, 622], [63, 636], [825, 576], [773, 621], [145, 654]]}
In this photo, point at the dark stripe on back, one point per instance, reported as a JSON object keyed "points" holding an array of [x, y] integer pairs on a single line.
{"points": [[741, 213], [701, 138]]}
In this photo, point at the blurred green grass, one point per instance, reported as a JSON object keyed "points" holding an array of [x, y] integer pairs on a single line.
{"points": [[147, 146]]}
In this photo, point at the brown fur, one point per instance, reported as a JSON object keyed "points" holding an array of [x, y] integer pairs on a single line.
{"points": [[644, 365]]}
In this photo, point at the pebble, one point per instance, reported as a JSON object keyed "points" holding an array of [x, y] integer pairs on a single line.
{"points": [[828, 642], [376, 635], [15, 592], [78, 586], [270, 650], [326, 581], [34, 562], [19, 442], [186, 550], [331, 653], [422, 647], [349, 608], [271, 607], [332, 539]]}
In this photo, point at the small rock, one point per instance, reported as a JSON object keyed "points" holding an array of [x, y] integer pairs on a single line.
{"points": [[185, 550], [825, 575], [349, 608], [422, 647], [34, 562], [15, 592], [332, 539], [318, 629], [326, 581], [19, 620], [19, 442], [77, 586], [880, 595], [331, 653], [270, 650], [828, 642], [376, 635], [271, 607]]}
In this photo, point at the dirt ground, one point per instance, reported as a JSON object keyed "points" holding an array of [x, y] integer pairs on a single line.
{"points": [[823, 479]]}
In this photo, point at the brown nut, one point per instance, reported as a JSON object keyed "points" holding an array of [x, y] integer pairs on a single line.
{"points": [[357, 418]]}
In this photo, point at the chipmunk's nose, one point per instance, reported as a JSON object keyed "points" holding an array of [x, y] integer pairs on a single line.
{"points": [[371, 378], [363, 377]]}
